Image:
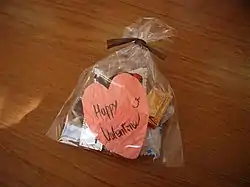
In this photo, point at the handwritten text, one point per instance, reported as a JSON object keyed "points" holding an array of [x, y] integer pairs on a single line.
{"points": [[108, 110]]}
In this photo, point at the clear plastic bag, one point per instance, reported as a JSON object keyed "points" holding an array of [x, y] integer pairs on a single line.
{"points": [[123, 104]]}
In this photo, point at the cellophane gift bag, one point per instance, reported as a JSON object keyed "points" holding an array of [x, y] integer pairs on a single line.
{"points": [[122, 104]]}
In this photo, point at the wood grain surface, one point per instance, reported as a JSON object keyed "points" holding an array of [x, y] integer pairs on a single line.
{"points": [[44, 46]]}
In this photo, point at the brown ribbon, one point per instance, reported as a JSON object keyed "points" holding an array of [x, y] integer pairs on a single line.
{"points": [[120, 41]]}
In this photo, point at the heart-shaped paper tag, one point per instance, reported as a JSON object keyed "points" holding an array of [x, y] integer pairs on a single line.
{"points": [[118, 115]]}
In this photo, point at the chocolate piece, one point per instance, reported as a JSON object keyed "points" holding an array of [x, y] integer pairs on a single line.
{"points": [[141, 74], [158, 103], [71, 133], [152, 144], [78, 109], [88, 138]]}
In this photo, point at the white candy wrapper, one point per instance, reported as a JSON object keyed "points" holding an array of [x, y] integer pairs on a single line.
{"points": [[122, 104]]}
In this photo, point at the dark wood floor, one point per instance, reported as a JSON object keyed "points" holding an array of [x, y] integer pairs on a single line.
{"points": [[44, 46]]}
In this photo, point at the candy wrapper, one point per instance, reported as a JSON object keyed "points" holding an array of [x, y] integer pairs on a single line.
{"points": [[122, 104]]}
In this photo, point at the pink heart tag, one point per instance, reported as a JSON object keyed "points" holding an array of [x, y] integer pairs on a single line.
{"points": [[118, 115]]}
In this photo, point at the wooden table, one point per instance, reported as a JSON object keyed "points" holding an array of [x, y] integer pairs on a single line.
{"points": [[44, 46]]}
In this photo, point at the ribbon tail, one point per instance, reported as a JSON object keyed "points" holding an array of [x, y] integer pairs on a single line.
{"points": [[117, 42], [157, 53]]}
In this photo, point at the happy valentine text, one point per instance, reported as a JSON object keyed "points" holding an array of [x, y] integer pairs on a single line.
{"points": [[108, 110], [124, 129]]}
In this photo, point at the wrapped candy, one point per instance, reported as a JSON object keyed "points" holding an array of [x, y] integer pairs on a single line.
{"points": [[123, 104]]}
